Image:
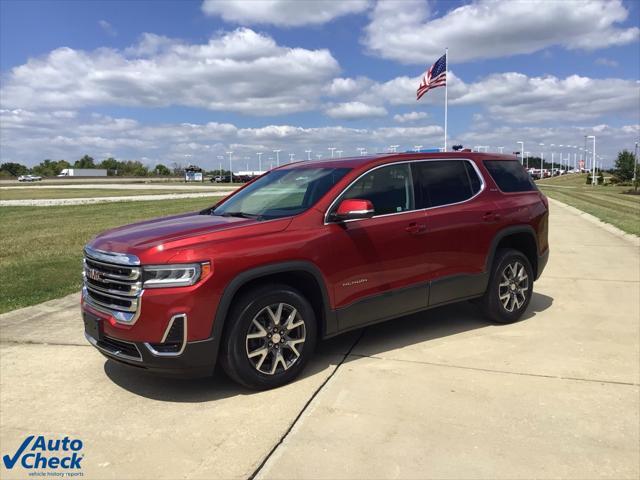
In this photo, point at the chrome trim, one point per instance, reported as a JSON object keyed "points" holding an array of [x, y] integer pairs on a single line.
{"points": [[112, 257], [133, 300], [128, 318], [155, 353], [119, 294], [134, 275], [116, 353], [333, 203]]}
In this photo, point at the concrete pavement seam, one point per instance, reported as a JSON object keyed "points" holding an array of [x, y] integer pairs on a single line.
{"points": [[32, 342], [306, 405], [489, 370]]}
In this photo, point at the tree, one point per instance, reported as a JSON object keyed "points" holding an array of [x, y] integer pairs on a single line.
{"points": [[14, 169], [111, 165], [84, 162], [162, 170], [50, 168], [625, 163]]}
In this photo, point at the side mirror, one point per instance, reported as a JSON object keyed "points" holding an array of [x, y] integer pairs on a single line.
{"points": [[354, 208]]}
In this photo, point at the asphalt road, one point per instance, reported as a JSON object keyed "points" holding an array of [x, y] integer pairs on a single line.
{"points": [[434, 395]]}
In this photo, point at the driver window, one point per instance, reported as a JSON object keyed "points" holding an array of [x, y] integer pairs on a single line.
{"points": [[388, 188]]}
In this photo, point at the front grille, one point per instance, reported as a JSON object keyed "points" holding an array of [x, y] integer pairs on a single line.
{"points": [[111, 285], [119, 348]]}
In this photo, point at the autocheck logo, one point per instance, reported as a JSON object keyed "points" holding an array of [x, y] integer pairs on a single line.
{"points": [[40, 453]]}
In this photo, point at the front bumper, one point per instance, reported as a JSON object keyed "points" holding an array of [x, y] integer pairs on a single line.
{"points": [[196, 358]]}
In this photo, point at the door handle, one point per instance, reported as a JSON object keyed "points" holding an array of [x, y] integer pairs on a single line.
{"points": [[416, 228]]}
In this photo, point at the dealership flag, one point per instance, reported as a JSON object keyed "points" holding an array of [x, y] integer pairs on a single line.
{"points": [[435, 77]]}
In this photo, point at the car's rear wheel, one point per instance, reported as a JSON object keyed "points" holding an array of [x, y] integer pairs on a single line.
{"points": [[270, 337], [510, 287]]}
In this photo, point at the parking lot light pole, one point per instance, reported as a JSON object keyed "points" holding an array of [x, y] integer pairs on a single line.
{"points": [[332, 149], [635, 168], [541, 160], [593, 156], [230, 169], [521, 143], [308, 152], [291, 155], [259, 161], [277, 152]]}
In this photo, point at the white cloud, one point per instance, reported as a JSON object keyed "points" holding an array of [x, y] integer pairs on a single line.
{"points": [[355, 111], [340, 87], [241, 71], [407, 32], [29, 137], [410, 117], [283, 13], [606, 62], [107, 28], [516, 97]]}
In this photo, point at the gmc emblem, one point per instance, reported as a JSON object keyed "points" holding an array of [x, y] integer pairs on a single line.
{"points": [[94, 274]]}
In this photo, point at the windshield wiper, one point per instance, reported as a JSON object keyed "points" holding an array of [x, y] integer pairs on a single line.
{"points": [[242, 215]]}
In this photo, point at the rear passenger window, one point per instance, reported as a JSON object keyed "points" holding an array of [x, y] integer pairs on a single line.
{"points": [[443, 182], [388, 188], [510, 176]]}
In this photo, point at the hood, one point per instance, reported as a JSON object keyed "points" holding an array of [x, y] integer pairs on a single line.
{"points": [[171, 232]]}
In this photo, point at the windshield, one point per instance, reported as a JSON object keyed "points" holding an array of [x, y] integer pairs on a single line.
{"points": [[281, 193]]}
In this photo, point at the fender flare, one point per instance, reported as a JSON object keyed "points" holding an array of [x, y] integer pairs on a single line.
{"points": [[505, 232], [325, 326]]}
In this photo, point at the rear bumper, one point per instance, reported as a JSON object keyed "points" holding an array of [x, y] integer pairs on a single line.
{"points": [[542, 263], [196, 360]]}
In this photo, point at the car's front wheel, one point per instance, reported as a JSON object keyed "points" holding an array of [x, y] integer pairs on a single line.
{"points": [[510, 287], [270, 336]]}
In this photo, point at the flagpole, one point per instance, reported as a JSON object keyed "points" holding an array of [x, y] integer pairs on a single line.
{"points": [[446, 92]]}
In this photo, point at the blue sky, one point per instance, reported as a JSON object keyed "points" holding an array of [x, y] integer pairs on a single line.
{"points": [[186, 81]]}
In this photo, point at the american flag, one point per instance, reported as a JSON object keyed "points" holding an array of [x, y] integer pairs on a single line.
{"points": [[436, 76]]}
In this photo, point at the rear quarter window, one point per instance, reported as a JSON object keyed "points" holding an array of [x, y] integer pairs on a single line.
{"points": [[510, 176]]}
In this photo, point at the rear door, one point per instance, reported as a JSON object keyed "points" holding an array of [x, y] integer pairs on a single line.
{"points": [[461, 221]]}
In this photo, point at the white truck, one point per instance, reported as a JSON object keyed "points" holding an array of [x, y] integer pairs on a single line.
{"points": [[83, 172]]}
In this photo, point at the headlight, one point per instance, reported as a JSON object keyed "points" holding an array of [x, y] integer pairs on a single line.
{"points": [[179, 275]]}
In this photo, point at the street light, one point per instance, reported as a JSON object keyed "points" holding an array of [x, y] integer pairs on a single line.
{"points": [[230, 169], [259, 161], [541, 160], [291, 155], [361, 150], [593, 176], [635, 168], [277, 152], [308, 152], [333, 149], [417, 148], [521, 143], [339, 152]]}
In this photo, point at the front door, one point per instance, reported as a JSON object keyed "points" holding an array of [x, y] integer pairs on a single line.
{"points": [[380, 271]]}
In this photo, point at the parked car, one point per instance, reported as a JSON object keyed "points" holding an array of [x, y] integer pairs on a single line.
{"points": [[311, 250], [29, 178]]}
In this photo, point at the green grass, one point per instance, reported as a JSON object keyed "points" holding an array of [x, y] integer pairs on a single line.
{"points": [[41, 247], [53, 193], [609, 203]]}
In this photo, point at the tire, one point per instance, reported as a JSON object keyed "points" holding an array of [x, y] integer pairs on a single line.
{"points": [[259, 357], [509, 291]]}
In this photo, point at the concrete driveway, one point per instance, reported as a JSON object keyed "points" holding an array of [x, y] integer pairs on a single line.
{"points": [[435, 395]]}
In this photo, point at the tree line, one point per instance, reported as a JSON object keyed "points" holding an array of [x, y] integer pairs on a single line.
{"points": [[52, 168]]}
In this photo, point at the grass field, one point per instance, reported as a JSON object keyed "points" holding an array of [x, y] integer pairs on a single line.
{"points": [[54, 193], [41, 247], [609, 203]]}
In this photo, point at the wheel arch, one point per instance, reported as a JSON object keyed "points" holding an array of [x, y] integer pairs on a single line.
{"points": [[303, 276], [520, 237]]}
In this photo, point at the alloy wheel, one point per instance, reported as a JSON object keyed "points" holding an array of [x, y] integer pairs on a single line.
{"points": [[514, 286], [275, 338]]}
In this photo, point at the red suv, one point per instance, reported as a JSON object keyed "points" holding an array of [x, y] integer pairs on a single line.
{"points": [[310, 250]]}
